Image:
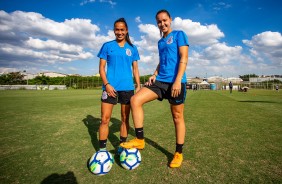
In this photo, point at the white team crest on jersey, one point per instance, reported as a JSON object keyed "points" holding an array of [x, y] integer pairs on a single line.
{"points": [[128, 52], [169, 40]]}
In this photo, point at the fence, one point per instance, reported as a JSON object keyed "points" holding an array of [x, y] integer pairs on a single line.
{"points": [[33, 87]]}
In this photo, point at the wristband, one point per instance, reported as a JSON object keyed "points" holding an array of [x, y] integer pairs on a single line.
{"points": [[155, 75], [106, 84]]}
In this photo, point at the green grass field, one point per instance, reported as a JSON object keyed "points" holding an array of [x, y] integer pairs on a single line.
{"points": [[48, 137]]}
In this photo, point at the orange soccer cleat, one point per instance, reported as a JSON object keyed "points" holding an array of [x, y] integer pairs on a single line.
{"points": [[134, 143], [177, 160]]}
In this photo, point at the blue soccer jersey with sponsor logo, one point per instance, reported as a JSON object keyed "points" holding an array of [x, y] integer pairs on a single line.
{"points": [[119, 64], [169, 56]]}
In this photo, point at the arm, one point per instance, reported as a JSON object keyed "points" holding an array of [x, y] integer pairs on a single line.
{"points": [[110, 90], [176, 87], [152, 79], [136, 75]]}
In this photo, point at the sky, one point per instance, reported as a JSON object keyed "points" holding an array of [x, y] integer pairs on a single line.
{"points": [[226, 38]]}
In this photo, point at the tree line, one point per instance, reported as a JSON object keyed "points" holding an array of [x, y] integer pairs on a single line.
{"points": [[75, 82]]}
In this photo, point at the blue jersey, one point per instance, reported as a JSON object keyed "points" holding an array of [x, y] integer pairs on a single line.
{"points": [[169, 56], [119, 64]]}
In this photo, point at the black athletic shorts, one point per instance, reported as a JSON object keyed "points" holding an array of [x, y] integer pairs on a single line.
{"points": [[163, 90], [123, 97]]}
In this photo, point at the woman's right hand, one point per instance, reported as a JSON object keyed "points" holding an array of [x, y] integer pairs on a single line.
{"points": [[111, 91], [151, 80]]}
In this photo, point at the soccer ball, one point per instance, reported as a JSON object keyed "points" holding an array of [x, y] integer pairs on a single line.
{"points": [[130, 158], [101, 162]]}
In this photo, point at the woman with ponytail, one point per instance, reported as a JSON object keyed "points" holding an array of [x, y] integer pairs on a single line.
{"points": [[120, 56], [167, 82]]}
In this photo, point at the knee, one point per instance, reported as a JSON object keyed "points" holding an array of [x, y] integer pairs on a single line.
{"points": [[105, 120], [134, 101], [177, 116], [124, 118]]}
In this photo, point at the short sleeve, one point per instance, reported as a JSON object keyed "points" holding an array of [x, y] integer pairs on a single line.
{"points": [[136, 56], [182, 39], [103, 52]]}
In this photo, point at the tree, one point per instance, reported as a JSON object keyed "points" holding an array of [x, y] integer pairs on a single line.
{"points": [[247, 76], [12, 78], [43, 80]]}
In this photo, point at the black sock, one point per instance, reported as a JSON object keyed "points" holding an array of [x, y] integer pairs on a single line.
{"points": [[102, 143], [122, 139], [179, 148], [139, 133]]}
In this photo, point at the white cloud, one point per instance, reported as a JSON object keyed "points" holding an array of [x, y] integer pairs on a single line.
{"points": [[21, 25], [112, 3], [151, 31], [208, 55], [221, 53], [7, 70], [86, 2], [198, 34], [221, 5], [30, 38], [266, 46], [138, 19], [52, 45], [148, 47], [218, 59], [265, 39]]}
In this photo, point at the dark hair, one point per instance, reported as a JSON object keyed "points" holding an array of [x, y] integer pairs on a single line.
{"points": [[127, 35], [162, 11]]}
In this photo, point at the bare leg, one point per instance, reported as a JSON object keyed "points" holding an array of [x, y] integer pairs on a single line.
{"points": [[106, 112], [137, 101], [178, 119], [124, 127]]}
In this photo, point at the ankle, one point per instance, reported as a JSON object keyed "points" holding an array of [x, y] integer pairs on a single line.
{"points": [[139, 133]]}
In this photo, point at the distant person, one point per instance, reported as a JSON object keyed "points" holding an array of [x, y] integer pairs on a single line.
{"points": [[194, 87], [167, 82], [277, 88], [230, 86], [120, 56]]}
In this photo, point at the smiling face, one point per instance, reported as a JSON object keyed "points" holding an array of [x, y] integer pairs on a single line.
{"points": [[120, 31], [164, 22]]}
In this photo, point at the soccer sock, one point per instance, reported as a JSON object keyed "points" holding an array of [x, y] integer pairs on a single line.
{"points": [[179, 148], [102, 144], [122, 139], [139, 133]]}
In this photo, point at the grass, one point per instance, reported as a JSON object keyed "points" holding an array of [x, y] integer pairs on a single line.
{"points": [[48, 137]]}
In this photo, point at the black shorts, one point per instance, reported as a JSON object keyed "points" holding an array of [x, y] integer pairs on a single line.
{"points": [[163, 90], [123, 97]]}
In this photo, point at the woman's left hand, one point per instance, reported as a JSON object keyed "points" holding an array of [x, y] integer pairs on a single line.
{"points": [[137, 89]]}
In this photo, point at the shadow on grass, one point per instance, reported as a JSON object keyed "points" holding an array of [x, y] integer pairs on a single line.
{"points": [[158, 147], [93, 124], [68, 178]]}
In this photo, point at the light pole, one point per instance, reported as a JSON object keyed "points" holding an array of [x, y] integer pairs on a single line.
{"points": [[26, 74]]}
